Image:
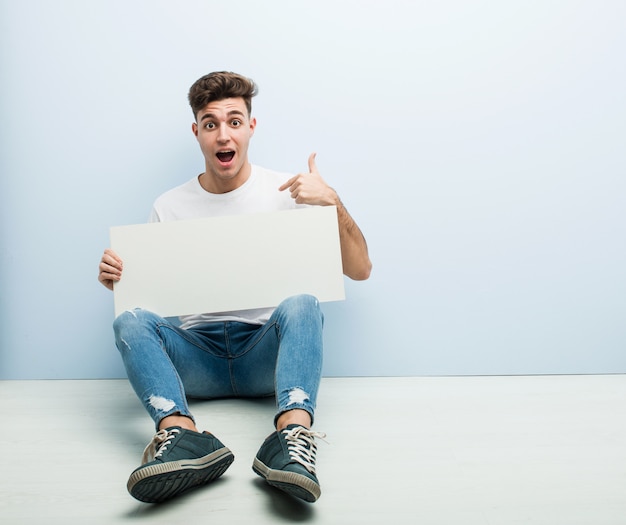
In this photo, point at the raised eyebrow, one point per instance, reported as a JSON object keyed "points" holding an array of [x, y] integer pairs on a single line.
{"points": [[236, 112], [230, 114], [207, 116]]}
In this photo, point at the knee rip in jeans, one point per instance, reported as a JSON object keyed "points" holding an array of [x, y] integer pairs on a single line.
{"points": [[297, 396]]}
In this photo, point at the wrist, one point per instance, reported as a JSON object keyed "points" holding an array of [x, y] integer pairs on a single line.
{"points": [[334, 198]]}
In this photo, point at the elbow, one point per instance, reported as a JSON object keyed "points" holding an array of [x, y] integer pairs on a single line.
{"points": [[362, 273]]}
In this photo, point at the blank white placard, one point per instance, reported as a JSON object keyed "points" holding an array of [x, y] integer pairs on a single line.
{"points": [[229, 263]]}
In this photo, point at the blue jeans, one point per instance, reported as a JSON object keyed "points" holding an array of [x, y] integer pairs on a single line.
{"points": [[166, 364]]}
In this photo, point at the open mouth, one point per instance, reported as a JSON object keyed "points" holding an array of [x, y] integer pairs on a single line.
{"points": [[225, 156]]}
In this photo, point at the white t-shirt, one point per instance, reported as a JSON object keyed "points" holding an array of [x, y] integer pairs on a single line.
{"points": [[191, 201]]}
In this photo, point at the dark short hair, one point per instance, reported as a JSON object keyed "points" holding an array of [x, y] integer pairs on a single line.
{"points": [[218, 86]]}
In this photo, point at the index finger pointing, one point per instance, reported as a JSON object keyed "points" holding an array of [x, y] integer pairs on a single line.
{"points": [[288, 183]]}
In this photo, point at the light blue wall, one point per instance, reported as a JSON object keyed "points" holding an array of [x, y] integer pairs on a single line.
{"points": [[480, 145]]}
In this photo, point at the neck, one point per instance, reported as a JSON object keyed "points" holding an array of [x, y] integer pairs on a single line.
{"points": [[224, 183]]}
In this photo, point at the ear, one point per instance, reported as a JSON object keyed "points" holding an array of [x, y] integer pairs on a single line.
{"points": [[252, 126], [194, 128]]}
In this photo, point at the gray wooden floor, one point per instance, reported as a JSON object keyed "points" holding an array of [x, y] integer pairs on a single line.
{"points": [[449, 450]]}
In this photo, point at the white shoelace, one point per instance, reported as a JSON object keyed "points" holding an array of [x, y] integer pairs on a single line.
{"points": [[158, 445], [302, 447]]}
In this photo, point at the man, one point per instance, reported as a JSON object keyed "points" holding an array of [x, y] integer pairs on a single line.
{"points": [[246, 353]]}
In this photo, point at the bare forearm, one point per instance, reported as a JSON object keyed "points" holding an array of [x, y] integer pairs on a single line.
{"points": [[354, 253]]}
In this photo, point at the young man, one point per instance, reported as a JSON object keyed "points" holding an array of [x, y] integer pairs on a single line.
{"points": [[245, 353]]}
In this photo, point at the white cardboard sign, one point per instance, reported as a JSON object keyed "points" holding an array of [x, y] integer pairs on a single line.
{"points": [[229, 263]]}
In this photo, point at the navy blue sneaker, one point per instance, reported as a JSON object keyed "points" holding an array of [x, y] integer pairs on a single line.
{"points": [[175, 461], [286, 460]]}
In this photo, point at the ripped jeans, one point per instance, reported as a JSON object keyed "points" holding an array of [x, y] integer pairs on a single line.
{"points": [[166, 364]]}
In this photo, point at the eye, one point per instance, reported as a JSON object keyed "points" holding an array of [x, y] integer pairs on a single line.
{"points": [[209, 125], [236, 123]]}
